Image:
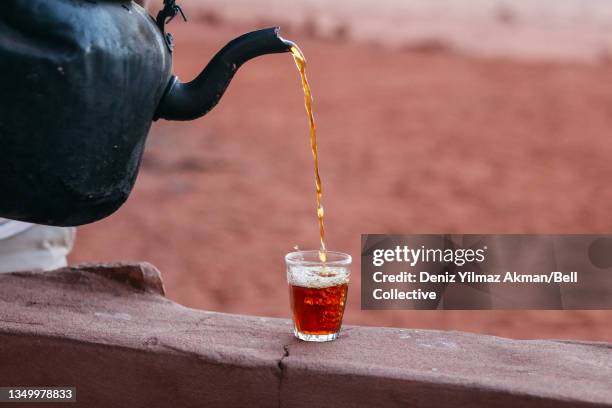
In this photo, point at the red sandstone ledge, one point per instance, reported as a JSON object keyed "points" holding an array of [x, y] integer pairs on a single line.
{"points": [[108, 330]]}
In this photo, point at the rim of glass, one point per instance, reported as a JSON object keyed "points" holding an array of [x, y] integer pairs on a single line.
{"points": [[311, 258]]}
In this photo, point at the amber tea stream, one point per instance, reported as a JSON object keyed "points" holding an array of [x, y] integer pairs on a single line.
{"points": [[300, 62], [317, 290]]}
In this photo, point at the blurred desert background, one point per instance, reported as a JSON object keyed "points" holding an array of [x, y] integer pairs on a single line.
{"points": [[433, 116]]}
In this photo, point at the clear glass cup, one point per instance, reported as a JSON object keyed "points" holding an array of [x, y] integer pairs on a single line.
{"points": [[317, 293]]}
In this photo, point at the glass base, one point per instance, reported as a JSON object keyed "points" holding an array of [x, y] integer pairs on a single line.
{"points": [[315, 337]]}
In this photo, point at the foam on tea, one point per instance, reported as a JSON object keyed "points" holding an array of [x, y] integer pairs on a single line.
{"points": [[316, 277], [300, 62]]}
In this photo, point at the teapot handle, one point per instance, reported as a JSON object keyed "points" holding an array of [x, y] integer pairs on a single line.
{"points": [[165, 15]]}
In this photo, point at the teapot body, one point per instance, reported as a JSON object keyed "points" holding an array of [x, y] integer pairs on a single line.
{"points": [[80, 83]]}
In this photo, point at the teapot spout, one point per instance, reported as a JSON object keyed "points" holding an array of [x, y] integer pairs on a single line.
{"points": [[191, 100]]}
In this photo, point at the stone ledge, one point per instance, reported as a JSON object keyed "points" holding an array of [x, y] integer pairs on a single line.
{"points": [[141, 275], [121, 343]]}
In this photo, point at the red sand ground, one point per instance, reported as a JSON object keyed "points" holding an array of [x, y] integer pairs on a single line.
{"points": [[420, 141]]}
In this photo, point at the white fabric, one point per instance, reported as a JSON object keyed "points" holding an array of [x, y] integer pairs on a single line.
{"points": [[8, 228], [38, 247]]}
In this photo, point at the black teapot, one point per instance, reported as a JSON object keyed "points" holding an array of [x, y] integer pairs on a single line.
{"points": [[80, 83]]}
